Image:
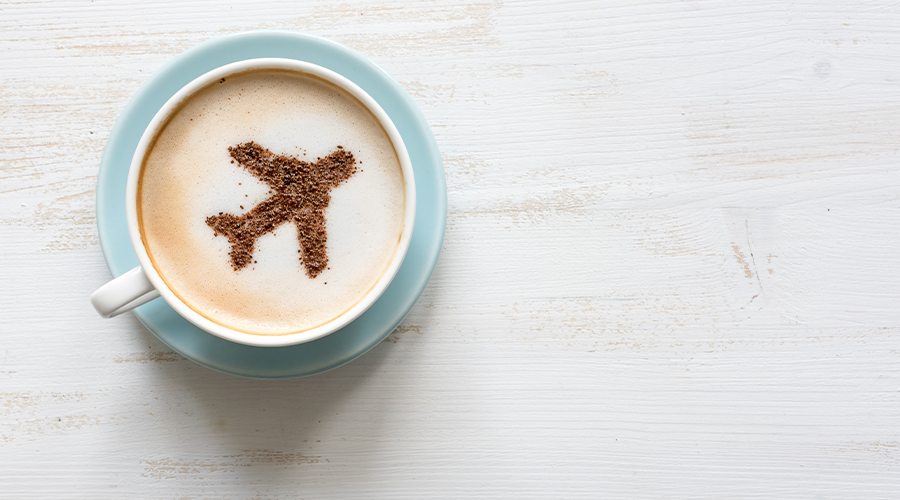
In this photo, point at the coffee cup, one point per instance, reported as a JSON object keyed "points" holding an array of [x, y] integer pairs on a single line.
{"points": [[270, 202]]}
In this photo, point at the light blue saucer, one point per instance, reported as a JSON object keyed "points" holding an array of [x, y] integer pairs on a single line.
{"points": [[375, 324]]}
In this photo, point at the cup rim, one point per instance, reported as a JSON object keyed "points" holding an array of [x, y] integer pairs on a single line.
{"points": [[269, 340]]}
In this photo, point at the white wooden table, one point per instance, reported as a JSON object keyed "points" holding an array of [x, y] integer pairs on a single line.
{"points": [[670, 267]]}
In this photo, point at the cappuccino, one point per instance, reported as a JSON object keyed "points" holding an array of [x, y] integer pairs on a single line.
{"points": [[271, 202]]}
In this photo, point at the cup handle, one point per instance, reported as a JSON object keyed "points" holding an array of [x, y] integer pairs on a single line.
{"points": [[124, 293]]}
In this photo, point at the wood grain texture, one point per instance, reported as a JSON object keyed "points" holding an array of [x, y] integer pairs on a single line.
{"points": [[670, 266]]}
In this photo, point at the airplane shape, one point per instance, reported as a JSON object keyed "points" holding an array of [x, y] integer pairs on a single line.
{"points": [[301, 191]]}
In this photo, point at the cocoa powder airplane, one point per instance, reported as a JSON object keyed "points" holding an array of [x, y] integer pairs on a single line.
{"points": [[301, 191]]}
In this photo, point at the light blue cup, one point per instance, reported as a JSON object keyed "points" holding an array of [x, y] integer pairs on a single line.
{"points": [[382, 317]]}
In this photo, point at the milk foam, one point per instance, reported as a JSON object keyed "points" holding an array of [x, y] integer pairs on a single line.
{"points": [[189, 176]]}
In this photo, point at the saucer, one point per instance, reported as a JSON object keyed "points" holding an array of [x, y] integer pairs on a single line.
{"points": [[388, 311]]}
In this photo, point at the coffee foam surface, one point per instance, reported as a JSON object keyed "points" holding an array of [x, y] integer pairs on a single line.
{"points": [[189, 176]]}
